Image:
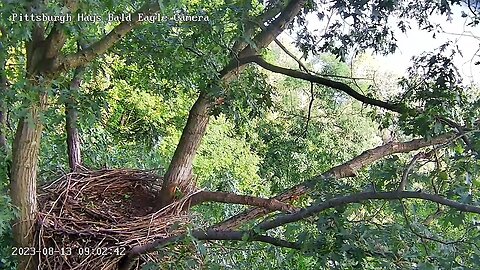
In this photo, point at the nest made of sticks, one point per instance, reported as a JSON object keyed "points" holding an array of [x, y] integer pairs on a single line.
{"points": [[88, 219]]}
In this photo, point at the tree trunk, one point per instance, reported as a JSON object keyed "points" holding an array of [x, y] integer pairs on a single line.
{"points": [[3, 89], [73, 137], [3, 139], [23, 178], [179, 172]]}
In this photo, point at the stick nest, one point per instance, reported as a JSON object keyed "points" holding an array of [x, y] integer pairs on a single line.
{"points": [[89, 219]]}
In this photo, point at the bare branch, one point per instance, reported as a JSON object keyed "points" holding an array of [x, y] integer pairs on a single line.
{"points": [[425, 237], [241, 236], [299, 62], [224, 197], [310, 106]]}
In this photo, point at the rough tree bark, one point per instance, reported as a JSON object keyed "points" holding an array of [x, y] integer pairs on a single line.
{"points": [[26, 145], [23, 183], [3, 89], [71, 117], [179, 172], [44, 63]]}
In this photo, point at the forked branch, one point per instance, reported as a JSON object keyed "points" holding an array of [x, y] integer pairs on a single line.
{"points": [[347, 169], [281, 220]]}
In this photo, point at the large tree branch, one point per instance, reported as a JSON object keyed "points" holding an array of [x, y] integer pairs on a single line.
{"points": [[275, 28], [347, 169], [101, 46], [56, 38], [360, 197], [251, 26], [322, 81], [265, 37], [209, 235], [34, 47], [224, 197], [290, 218]]}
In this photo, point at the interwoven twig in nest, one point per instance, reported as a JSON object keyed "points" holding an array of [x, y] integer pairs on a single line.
{"points": [[87, 219]]}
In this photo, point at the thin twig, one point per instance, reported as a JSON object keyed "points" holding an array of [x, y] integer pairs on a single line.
{"points": [[406, 172]]}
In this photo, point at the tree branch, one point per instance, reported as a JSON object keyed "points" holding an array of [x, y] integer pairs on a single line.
{"points": [[224, 197], [33, 46], [299, 62], [281, 220], [241, 236], [179, 170], [323, 81], [264, 38], [460, 129], [269, 14], [88, 54], [399, 108], [406, 172], [310, 105], [360, 197], [126, 262], [275, 28], [347, 169], [57, 37]]}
